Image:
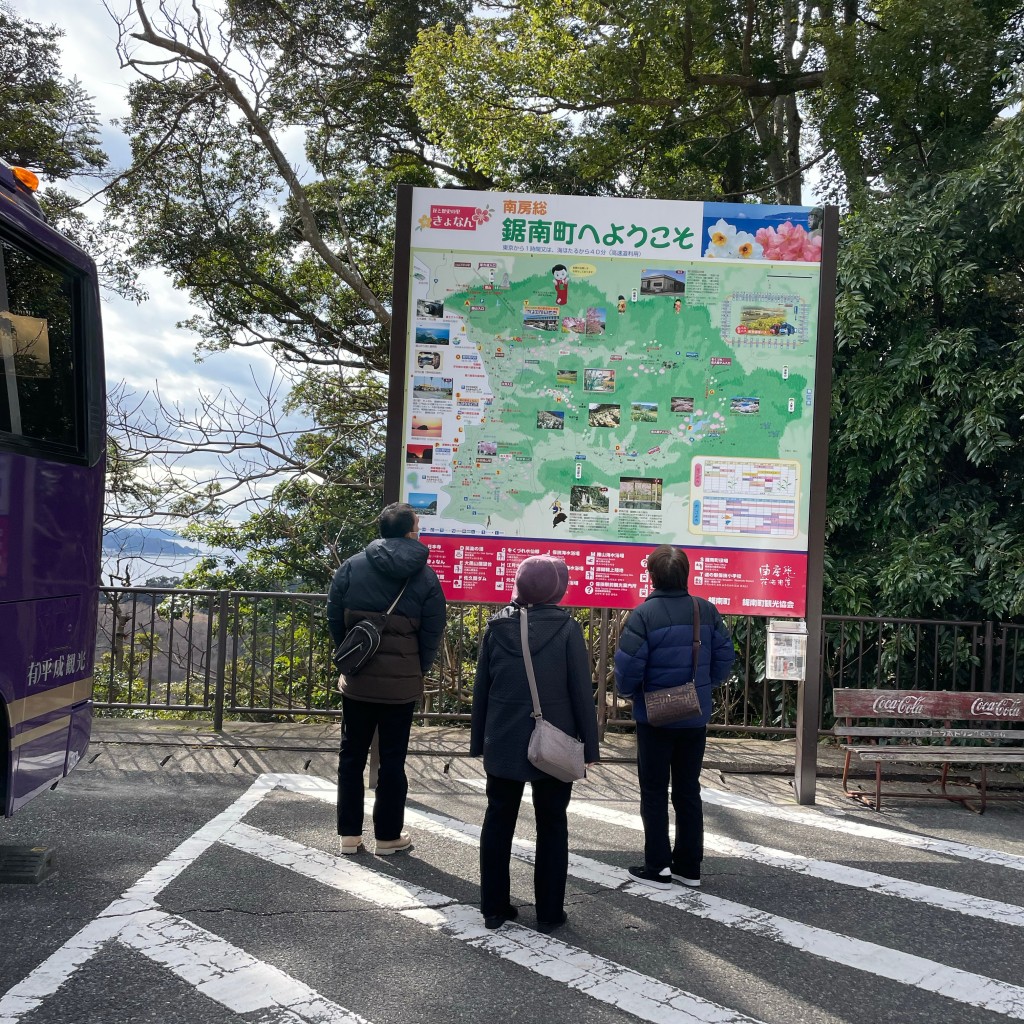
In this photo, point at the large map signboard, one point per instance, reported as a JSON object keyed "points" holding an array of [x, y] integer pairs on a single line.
{"points": [[593, 377]]}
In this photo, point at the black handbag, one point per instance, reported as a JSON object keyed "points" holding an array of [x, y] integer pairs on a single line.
{"points": [[677, 703]]}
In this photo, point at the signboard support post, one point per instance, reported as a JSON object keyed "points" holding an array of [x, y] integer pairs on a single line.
{"points": [[809, 701], [602, 674]]}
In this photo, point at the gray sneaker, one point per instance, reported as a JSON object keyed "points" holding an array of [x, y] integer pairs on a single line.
{"points": [[386, 847]]}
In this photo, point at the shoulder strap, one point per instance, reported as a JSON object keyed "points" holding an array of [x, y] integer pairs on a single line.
{"points": [[696, 639], [399, 598], [696, 635], [524, 636]]}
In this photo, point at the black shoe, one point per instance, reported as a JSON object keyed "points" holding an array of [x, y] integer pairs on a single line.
{"points": [[497, 920], [687, 875], [547, 927], [652, 876]]}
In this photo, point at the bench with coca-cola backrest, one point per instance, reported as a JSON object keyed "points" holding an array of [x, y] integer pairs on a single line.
{"points": [[926, 733]]}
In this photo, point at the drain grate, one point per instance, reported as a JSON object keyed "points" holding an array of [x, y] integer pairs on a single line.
{"points": [[25, 865]]}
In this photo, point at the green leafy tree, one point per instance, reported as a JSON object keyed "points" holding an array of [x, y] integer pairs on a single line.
{"points": [[925, 498]]}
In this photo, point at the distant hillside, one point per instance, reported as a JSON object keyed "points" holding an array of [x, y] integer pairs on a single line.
{"points": [[142, 540]]}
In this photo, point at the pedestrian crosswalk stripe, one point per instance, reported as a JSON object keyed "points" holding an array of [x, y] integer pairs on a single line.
{"points": [[228, 975], [829, 871], [881, 961], [836, 821], [839, 821], [58, 968], [638, 994]]}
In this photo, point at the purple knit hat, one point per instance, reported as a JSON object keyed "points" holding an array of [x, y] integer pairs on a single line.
{"points": [[541, 579]]}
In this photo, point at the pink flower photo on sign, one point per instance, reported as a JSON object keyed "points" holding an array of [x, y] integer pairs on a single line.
{"points": [[790, 242]]}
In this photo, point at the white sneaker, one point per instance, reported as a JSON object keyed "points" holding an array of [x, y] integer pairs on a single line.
{"points": [[350, 844]]}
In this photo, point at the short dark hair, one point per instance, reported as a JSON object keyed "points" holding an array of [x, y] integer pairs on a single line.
{"points": [[397, 520], [669, 567]]}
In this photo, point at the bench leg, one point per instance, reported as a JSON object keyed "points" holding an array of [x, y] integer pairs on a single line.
{"points": [[878, 785], [984, 787]]}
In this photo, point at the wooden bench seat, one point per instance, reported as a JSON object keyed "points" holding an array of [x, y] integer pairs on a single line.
{"points": [[1001, 718]]}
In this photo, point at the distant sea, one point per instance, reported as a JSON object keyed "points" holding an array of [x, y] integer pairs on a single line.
{"points": [[146, 567], [133, 556]]}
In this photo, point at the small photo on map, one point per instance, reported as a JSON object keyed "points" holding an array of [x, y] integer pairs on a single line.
{"points": [[423, 504], [541, 318], [550, 420], [644, 412], [428, 335], [767, 321], [428, 360], [426, 426], [599, 380], [487, 447], [432, 387], [662, 282], [593, 323], [638, 492], [566, 376], [745, 406], [429, 308], [588, 499], [419, 454], [605, 415], [679, 404]]}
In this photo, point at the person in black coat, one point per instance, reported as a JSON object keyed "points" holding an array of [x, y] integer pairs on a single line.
{"points": [[503, 723]]}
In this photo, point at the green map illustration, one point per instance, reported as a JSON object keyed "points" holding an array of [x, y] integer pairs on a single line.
{"points": [[663, 402]]}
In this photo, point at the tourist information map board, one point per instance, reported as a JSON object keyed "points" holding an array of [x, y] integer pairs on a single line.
{"points": [[592, 377]]}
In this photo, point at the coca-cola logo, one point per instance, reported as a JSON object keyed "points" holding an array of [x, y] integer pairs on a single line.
{"points": [[997, 707], [904, 705]]}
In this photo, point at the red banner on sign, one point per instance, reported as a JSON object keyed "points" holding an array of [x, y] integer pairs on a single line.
{"points": [[767, 583]]}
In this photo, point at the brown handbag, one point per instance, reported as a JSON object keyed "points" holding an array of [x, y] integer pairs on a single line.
{"points": [[677, 703]]}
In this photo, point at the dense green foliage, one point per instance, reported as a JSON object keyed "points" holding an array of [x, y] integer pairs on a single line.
{"points": [[925, 498], [264, 183]]}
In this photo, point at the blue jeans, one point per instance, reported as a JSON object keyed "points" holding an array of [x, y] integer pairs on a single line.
{"points": [[392, 723], [679, 754]]}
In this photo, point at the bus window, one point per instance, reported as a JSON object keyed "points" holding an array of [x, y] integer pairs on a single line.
{"points": [[38, 399]]}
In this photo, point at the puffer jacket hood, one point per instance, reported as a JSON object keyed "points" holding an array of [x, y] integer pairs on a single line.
{"points": [[397, 557], [547, 621]]}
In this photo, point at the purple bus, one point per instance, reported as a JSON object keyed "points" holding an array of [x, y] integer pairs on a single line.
{"points": [[52, 447]]}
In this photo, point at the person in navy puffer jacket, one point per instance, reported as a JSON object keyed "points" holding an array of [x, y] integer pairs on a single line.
{"points": [[656, 652]]}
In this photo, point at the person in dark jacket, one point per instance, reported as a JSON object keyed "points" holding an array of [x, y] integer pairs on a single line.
{"points": [[503, 723], [382, 696], [656, 651]]}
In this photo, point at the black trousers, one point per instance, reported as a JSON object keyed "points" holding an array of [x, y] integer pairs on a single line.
{"points": [[392, 723], [551, 865], [675, 753]]}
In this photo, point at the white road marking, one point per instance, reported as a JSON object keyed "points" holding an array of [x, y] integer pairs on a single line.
{"points": [[834, 821], [121, 915], [881, 961], [838, 822], [829, 871], [228, 975], [601, 979]]}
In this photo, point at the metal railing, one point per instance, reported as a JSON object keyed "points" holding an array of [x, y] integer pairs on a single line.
{"points": [[265, 656]]}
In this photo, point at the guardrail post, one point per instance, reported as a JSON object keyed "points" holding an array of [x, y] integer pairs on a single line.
{"points": [[222, 661]]}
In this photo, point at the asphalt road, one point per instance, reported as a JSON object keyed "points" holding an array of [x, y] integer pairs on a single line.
{"points": [[216, 896]]}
